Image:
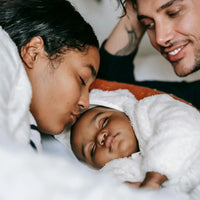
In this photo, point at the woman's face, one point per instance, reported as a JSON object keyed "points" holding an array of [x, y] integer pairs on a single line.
{"points": [[101, 135], [60, 90]]}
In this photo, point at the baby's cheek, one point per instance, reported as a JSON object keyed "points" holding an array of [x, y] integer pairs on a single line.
{"points": [[103, 157]]}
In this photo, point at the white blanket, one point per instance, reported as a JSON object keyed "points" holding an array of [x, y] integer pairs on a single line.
{"points": [[26, 175]]}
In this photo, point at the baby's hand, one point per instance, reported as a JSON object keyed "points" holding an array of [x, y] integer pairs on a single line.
{"points": [[134, 184], [153, 180]]}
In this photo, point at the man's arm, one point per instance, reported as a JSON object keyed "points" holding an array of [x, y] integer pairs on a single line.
{"points": [[119, 50], [127, 34]]}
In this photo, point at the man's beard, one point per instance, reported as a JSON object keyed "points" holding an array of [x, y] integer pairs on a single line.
{"points": [[196, 65], [196, 62]]}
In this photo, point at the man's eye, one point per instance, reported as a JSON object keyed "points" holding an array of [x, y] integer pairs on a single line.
{"points": [[173, 14], [175, 11], [149, 26], [104, 122], [147, 23], [82, 80]]}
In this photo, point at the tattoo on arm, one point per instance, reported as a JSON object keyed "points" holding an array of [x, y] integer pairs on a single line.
{"points": [[131, 45]]}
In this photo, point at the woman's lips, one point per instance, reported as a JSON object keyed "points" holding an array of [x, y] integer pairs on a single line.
{"points": [[74, 117]]}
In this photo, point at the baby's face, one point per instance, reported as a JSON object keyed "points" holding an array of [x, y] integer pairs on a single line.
{"points": [[101, 135]]}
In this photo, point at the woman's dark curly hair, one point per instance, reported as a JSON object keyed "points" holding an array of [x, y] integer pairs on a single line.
{"points": [[56, 21]]}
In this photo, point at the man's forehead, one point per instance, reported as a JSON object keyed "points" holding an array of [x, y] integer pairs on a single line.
{"points": [[160, 3], [155, 5]]}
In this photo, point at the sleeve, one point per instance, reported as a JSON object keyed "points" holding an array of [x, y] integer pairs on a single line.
{"points": [[6, 82], [185, 90], [15, 92], [116, 68], [169, 135]]}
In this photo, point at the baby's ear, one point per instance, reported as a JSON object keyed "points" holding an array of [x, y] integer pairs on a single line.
{"points": [[31, 50]]}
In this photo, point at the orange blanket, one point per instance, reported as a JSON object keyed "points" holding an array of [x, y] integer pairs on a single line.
{"points": [[139, 91]]}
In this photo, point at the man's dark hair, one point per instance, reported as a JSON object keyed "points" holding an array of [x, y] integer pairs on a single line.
{"points": [[122, 2], [56, 21]]}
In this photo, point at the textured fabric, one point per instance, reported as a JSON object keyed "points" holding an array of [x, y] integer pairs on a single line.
{"points": [[35, 136]]}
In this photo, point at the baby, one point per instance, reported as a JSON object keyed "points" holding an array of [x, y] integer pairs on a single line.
{"points": [[156, 139]]}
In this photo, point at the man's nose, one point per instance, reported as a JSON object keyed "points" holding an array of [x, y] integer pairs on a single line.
{"points": [[164, 34]]}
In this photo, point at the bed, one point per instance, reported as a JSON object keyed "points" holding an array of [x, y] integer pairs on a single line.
{"points": [[56, 174]]}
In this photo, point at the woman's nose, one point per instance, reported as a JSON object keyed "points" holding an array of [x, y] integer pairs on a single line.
{"points": [[84, 100]]}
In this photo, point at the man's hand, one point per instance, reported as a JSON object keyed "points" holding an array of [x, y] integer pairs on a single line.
{"points": [[127, 34]]}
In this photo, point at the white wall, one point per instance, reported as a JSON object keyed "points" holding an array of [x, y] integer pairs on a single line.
{"points": [[102, 16], [149, 64]]}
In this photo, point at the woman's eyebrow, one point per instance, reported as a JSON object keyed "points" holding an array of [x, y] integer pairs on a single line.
{"points": [[92, 69]]}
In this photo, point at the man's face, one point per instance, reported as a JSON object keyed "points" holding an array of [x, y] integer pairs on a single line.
{"points": [[173, 27]]}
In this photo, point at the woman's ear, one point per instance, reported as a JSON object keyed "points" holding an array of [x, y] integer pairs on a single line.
{"points": [[31, 50]]}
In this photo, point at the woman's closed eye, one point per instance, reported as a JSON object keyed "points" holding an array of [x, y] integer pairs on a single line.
{"points": [[82, 81]]}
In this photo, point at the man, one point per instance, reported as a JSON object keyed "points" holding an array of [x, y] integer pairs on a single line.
{"points": [[173, 31], [170, 32]]}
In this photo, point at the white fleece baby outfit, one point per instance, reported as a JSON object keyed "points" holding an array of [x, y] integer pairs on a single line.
{"points": [[168, 133]]}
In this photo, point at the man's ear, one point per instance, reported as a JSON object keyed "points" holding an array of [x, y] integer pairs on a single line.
{"points": [[31, 50]]}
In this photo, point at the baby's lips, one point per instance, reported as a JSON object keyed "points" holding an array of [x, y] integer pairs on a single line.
{"points": [[109, 141]]}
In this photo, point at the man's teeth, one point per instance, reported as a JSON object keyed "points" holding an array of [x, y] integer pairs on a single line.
{"points": [[174, 52]]}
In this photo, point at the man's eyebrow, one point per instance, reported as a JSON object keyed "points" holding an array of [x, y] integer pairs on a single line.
{"points": [[166, 5]]}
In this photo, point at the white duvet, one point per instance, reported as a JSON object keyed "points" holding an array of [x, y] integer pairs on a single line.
{"points": [[25, 175]]}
